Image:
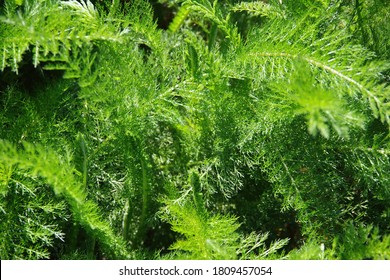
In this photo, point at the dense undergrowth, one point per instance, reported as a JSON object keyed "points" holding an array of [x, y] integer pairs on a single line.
{"points": [[195, 129]]}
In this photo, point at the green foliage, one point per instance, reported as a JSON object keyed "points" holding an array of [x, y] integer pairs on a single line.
{"points": [[205, 236], [259, 8], [39, 163], [361, 242], [46, 30], [211, 237], [355, 242], [179, 18], [247, 130]]}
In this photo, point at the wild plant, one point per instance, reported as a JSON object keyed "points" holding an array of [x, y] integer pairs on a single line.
{"points": [[244, 130]]}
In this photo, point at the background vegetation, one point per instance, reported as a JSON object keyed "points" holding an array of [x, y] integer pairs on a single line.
{"points": [[194, 129]]}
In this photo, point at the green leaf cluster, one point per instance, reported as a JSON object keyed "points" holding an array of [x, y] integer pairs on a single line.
{"points": [[243, 130]]}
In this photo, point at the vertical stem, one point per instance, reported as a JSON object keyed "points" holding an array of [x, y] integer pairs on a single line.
{"points": [[363, 30], [125, 222], [85, 162], [145, 200], [212, 36]]}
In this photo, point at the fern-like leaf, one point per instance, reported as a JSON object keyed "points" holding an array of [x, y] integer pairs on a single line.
{"points": [[40, 162]]}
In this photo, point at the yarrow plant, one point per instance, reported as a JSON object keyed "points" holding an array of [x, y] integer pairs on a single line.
{"points": [[194, 129]]}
